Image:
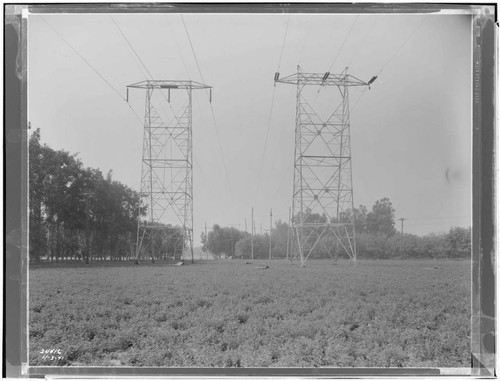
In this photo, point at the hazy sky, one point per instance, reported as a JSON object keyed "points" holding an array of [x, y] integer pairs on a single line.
{"points": [[410, 134]]}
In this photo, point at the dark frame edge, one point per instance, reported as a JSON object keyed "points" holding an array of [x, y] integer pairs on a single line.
{"points": [[483, 296], [15, 191], [483, 322]]}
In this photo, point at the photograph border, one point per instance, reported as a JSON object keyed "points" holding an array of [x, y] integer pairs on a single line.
{"points": [[484, 87]]}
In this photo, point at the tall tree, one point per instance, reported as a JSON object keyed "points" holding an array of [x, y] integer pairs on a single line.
{"points": [[73, 210], [381, 219], [36, 175], [279, 238], [222, 240], [360, 215]]}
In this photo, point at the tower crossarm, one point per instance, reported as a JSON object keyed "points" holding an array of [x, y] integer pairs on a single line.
{"points": [[322, 79], [169, 84]]}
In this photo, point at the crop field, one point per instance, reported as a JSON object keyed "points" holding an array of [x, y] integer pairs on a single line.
{"points": [[386, 313]]}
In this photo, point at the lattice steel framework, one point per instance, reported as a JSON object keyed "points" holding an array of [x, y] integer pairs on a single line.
{"points": [[166, 189], [322, 200]]}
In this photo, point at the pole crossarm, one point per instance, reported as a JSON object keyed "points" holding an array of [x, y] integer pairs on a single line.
{"points": [[169, 84], [322, 79]]}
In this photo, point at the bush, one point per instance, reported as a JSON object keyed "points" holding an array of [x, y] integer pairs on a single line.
{"points": [[404, 246], [371, 246], [455, 244], [459, 242]]}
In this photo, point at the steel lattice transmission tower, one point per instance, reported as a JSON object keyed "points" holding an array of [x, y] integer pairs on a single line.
{"points": [[322, 202], [166, 187]]}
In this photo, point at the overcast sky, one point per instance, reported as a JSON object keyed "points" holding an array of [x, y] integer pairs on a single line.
{"points": [[410, 133]]}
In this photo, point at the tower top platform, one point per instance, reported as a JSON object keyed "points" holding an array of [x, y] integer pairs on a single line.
{"points": [[169, 84]]}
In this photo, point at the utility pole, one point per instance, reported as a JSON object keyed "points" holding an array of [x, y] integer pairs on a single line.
{"points": [[402, 224], [246, 230], [288, 235], [206, 241], [270, 231], [253, 228]]}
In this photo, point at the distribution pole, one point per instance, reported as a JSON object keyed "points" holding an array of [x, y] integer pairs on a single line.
{"points": [[270, 231], [206, 240], [402, 224], [251, 239], [288, 235], [246, 230]]}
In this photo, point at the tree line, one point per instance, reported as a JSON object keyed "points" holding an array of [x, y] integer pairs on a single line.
{"points": [[376, 238], [77, 213]]}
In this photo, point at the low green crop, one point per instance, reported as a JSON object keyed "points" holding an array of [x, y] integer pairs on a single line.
{"points": [[226, 314]]}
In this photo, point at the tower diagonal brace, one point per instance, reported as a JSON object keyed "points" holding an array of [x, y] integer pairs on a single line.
{"points": [[165, 222], [322, 198]]}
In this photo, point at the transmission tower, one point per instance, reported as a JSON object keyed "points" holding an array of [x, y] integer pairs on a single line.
{"points": [[322, 202], [166, 188]]}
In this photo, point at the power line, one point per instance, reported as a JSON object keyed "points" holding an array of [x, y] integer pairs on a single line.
{"points": [[148, 74], [283, 44], [211, 107], [131, 47], [359, 98], [84, 60], [212, 113], [272, 104], [179, 50], [335, 59], [192, 49], [198, 166], [93, 68], [196, 102], [305, 39], [135, 113], [390, 59], [342, 46], [362, 41], [267, 133], [403, 44], [384, 66], [285, 173]]}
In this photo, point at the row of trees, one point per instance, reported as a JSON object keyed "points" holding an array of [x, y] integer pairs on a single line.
{"points": [[75, 213], [456, 244], [376, 238]]}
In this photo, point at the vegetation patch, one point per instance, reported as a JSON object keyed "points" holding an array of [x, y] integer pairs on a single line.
{"points": [[378, 314]]}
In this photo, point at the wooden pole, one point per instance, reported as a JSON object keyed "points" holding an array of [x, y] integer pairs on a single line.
{"points": [[288, 235], [251, 240], [206, 241], [270, 230]]}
